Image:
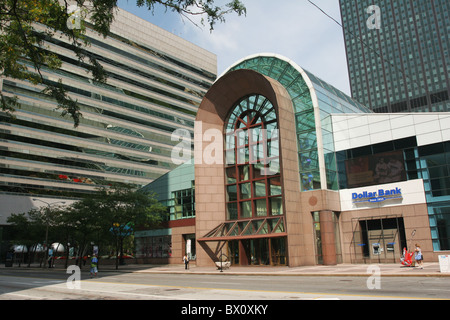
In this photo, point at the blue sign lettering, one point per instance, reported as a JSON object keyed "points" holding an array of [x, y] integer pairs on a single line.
{"points": [[379, 196]]}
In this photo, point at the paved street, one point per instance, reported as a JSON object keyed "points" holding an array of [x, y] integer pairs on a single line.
{"points": [[173, 283]]}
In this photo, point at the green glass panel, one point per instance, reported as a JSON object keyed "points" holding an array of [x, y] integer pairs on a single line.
{"points": [[272, 224], [275, 186], [231, 175], [245, 189], [246, 209], [231, 193], [256, 225], [243, 173], [232, 212], [305, 121], [303, 103], [330, 161], [259, 188], [307, 141], [264, 229], [332, 182], [243, 225], [308, 161], [234, 231], [289, 77], [310, 180]]}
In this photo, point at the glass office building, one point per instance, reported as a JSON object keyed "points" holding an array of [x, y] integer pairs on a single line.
{"points": [[397, 54], [155, 84], [306, 175]]}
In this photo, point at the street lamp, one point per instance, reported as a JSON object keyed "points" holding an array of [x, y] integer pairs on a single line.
{"points": [[46, 230]]}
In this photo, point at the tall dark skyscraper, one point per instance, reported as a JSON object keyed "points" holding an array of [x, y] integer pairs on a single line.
{"points": [[398, 53]]}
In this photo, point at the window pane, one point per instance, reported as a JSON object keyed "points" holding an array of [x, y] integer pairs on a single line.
{"points": [[259, 188], [230, 156], [243, 173], [232, 212], [242, 137], [258, 170], [261, 208], [231, 175], [246, 209], [276, 206], [245, 189], [275, 186], [231, 193]]}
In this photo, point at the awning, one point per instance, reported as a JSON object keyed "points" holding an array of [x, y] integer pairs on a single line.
{"points": [[247, 229]]}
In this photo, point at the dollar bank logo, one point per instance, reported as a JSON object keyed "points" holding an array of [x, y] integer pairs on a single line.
{"points": [[76, 15]]}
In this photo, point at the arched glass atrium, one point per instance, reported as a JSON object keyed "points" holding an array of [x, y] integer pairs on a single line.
{"points": [[313, 100]]}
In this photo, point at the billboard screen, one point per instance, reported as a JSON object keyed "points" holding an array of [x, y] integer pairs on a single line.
{"points": [[375, 169]]}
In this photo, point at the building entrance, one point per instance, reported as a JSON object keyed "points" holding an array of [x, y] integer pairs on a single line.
{"points": [[258, 252], [378, 240]]}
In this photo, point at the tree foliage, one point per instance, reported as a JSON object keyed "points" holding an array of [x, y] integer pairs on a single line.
{"points": [[106, 219], [26, 24]]}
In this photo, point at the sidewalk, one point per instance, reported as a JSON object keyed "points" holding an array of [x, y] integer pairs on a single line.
{"points": [[431, 269]]}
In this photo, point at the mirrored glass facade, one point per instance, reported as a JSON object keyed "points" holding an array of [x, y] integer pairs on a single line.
{"points": [[404, 65], [155, 84]]}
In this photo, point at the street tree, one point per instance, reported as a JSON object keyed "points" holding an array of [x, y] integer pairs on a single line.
{"points": [[25, 25], [35, 229], [123, 209]]}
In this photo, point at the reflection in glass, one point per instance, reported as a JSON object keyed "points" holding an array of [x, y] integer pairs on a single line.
{"points": [[276, 206], [261, 207], [259, 188], [245, 189], [232, 211], [275, 186], [231, 193], [246, 209]]}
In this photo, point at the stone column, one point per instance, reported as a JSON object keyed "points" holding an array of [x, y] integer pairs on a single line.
{"points": [[328, 237]]}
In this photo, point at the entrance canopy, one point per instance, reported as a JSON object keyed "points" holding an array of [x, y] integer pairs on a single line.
{"points": [[247, 229]]}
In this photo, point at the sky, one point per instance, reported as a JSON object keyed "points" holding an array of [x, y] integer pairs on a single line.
{"points": [[292, 28]]}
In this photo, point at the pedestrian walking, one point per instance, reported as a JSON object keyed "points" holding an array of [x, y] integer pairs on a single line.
{"points": [[94, 264], [186, 262], [418, 256]]}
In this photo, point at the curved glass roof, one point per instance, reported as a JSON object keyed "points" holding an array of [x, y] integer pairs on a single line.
{"points": [[313, 100]]}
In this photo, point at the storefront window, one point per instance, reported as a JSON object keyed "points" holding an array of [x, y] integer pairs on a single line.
{"points": [[154, 247]]}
